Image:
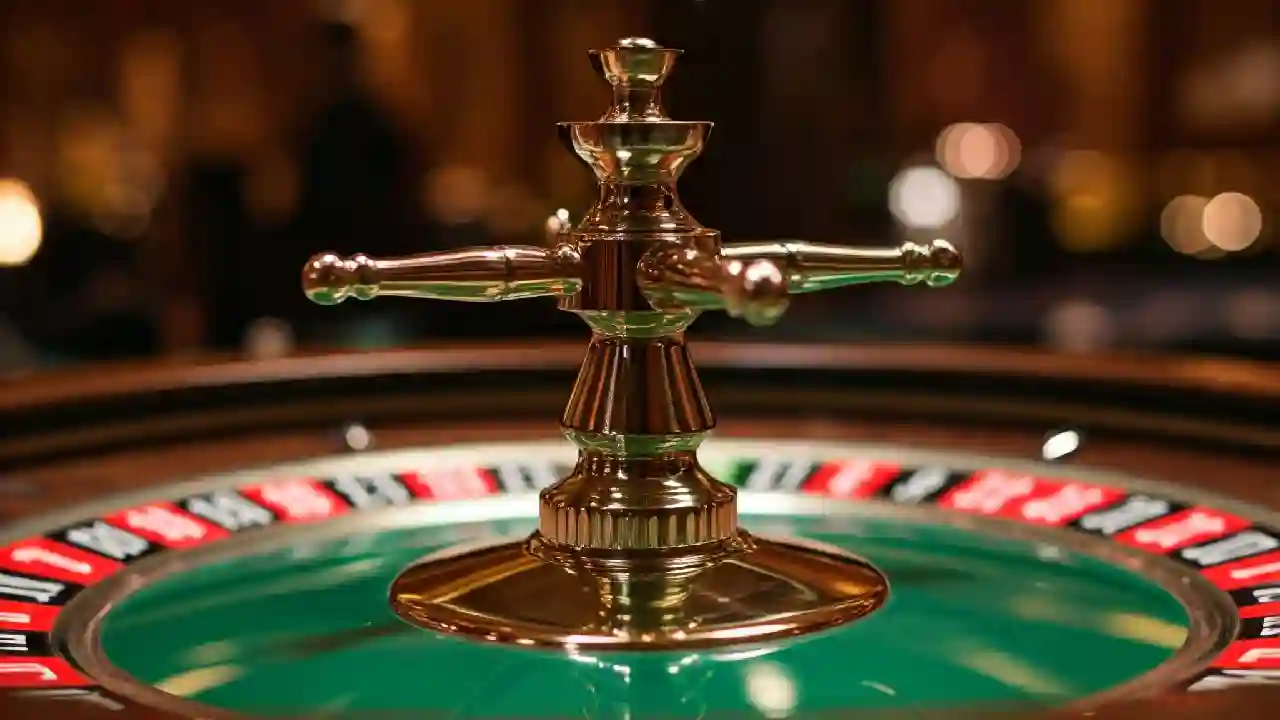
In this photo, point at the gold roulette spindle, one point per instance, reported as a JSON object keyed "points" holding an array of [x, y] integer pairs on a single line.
{"points": [[639, 547]]}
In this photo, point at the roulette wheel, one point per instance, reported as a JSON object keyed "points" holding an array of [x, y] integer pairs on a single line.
{"points": [[869, 532]]}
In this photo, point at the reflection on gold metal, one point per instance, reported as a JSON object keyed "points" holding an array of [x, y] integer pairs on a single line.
{"points": [[475, 274], [774, 591], [639, 546]]}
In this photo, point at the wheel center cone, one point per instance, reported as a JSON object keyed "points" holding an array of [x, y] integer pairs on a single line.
{"points": [[771, 589]]}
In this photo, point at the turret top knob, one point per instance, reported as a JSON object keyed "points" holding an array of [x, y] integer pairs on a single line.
{"points": [[638, 42], [636, 68]]}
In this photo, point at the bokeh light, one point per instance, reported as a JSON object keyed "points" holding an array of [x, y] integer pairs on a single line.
{"points": [[456, 194], [771, 689], [1232, 221], [557, 223], [987, 151], [1060, 444], [924, 197], [1210, 228], [1253, 313], [268, 338], [1096, 200], [1182, 224], [1079, 326], [21, 227]]}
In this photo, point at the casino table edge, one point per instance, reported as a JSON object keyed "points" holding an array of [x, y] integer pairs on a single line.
{"points": [[1175, 372], [1195, 400]]}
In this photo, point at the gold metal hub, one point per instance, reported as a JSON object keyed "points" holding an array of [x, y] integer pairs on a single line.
{"points": [[506, 593], [639, 547]]}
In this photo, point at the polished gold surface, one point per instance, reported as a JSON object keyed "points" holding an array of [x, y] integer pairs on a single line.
{"points": [[638, 517], [505, 594], [472, 274], [809, 267]]}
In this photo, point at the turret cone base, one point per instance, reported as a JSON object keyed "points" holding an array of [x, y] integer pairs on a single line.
{"points": [[519, 593]]}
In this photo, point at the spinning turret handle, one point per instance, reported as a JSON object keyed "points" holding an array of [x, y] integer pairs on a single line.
{"points": [[481, 274], [754, 280], [637, 249], [749, 280]]}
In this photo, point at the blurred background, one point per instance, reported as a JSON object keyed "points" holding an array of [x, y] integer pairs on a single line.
{"points": [[1107, 166]]}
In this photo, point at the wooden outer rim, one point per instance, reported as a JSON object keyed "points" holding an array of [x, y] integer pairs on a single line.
{"points": [[1215, 375]]}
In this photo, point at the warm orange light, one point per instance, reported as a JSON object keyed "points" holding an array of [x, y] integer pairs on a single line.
{"points": [[21, 227], [987, 151], [1182, 224], [1232, 221]]}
